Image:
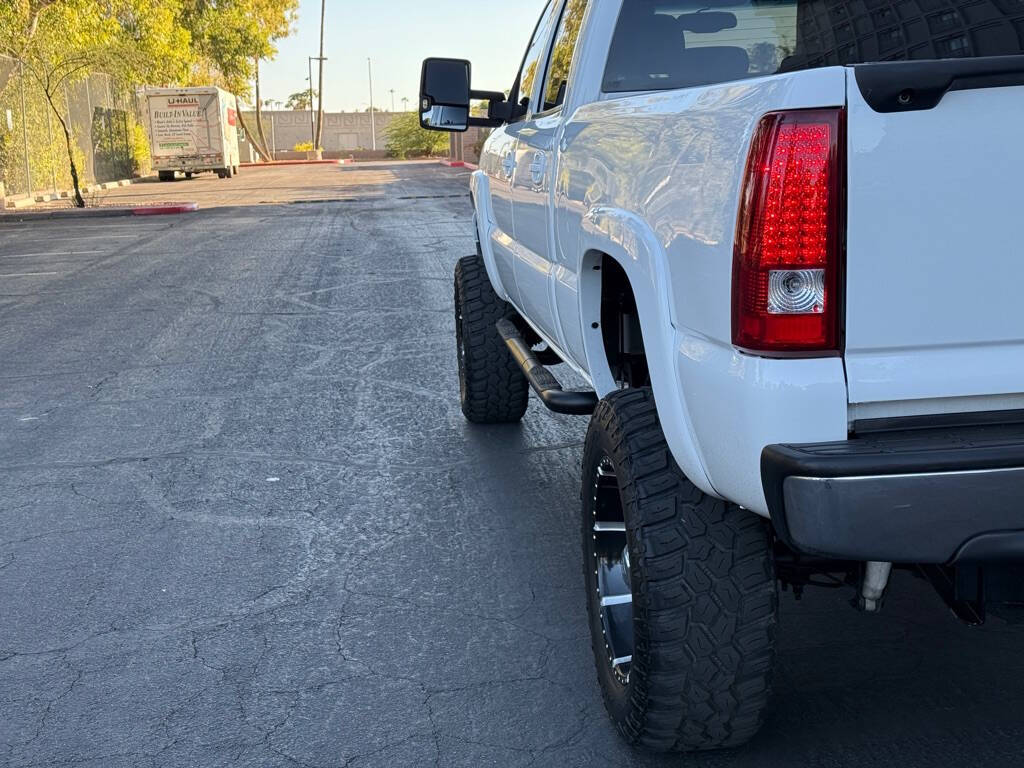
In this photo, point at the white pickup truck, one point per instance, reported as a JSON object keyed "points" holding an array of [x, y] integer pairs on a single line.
{"points": [[781, 242]]}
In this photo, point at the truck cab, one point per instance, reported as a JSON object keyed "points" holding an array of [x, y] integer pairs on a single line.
{"points": [[778, 241]]}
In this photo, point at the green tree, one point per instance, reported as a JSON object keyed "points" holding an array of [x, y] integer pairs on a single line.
{"points": [[275, 19], [300, 100], [71, 39], [19, 22], [169, 42], [231, 37], [406, 138], [60, 42]]}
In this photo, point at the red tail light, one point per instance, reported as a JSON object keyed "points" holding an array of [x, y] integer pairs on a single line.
{"points": [[789, 236]]}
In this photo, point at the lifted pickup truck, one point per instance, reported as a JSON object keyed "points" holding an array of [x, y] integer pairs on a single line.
{"points": [[781, 242]]}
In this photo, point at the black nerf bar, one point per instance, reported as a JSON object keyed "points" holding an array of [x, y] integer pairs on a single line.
{"points": [[541, 380]]}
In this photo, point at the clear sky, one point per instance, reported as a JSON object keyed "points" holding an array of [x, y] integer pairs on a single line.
{"points": [[398, 35]]}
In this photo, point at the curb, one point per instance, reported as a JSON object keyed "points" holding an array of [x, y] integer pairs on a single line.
{"points": [[164, 210], [34, 198], [460, 164], [294, 162], [97, 213]]}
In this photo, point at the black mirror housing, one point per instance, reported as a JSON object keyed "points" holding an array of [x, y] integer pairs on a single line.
{"points": [[445, 95]]}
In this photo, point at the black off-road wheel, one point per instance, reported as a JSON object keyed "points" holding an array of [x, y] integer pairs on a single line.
{"points": [[492, 388], [165, 175], [680, 590]]}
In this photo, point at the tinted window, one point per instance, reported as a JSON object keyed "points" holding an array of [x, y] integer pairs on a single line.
{"points": [[662, 44], [561, 53], [534, 54]]}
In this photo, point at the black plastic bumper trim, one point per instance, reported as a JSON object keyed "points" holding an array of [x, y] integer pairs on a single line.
{"points": [[541, 379], [927, 495]]}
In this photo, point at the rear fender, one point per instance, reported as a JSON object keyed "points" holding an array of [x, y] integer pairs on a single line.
{"points": [[628, 240]]}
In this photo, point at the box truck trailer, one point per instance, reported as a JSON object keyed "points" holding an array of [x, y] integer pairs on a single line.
{"points": [[191, 130]]}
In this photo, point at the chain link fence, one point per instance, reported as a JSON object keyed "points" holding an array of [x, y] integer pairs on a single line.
{"points": [[108, 142]]}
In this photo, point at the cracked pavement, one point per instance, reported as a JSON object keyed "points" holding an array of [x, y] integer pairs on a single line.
{"points": [[244, 522]]}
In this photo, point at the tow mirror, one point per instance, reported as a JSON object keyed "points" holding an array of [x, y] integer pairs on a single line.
{"points": [[444, 95]]}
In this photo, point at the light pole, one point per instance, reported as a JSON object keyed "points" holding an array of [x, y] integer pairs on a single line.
{"points": [[392, 99], [318, 137], [405, 103], [373, 120], [312, 121], [312, 126], [273, 124]]}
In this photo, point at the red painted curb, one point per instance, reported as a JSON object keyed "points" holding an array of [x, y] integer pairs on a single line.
{"points": [[165, 210], [460, 164]]}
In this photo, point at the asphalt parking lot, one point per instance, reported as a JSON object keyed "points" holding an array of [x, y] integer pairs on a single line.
{"points": [[242, 521]]}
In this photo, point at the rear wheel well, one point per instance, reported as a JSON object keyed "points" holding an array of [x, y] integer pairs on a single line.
{"points": [[620, 327]]}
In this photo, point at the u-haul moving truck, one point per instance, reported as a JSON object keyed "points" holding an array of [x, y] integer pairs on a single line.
{"points": [[191, 130]]}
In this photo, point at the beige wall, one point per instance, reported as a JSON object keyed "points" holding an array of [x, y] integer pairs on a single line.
{"points": [[342, 130], [464, 145]]}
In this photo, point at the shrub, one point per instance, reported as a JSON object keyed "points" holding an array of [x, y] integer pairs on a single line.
{"points": [[303, 146], [406, 138], [139, 148]]}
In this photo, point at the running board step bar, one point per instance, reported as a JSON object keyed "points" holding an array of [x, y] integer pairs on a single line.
{"points": [[543, 382]]}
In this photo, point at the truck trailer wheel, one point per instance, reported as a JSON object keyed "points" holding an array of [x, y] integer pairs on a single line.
{"points": [[165, 175], [680, 590], [492, 388]]}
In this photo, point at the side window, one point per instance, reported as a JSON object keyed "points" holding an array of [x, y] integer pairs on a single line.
{"points": [[534, 54], [562, 52]]}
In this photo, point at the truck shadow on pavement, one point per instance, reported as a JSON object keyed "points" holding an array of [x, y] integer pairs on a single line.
{"points": [[909, 687]]}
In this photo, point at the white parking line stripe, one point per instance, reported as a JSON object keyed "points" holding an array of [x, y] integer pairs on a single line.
{"points": [[79, 237], [54, 253], [31, 274]]}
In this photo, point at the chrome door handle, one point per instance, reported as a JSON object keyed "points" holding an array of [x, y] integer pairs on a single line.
{"points": [[508, 165], [539, 167]]}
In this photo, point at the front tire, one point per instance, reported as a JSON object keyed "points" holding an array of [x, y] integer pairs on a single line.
{"points": [[492, 388], [680, 590], [165, 175]]}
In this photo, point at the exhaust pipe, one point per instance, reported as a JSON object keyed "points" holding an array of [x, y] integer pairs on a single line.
{"points": [[872, 588]]}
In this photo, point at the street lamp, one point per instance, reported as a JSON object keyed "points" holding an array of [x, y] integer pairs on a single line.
{"points": [[312, 122], [274, 106], [373, 120], [405, 103], [392, 92]]}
